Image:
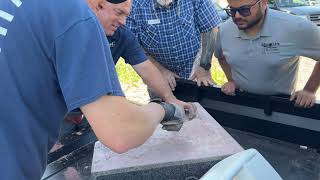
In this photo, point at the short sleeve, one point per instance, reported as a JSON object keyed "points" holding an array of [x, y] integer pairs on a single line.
{"points": [[206, 15], [308, 40], [84, 64], [133, 53], [217, 47]]}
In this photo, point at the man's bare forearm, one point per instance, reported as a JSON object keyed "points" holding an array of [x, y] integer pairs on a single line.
{"points": [[207, 40], [156, 63], [226, 68], [154, 79], [313, 82], [122, 125]]}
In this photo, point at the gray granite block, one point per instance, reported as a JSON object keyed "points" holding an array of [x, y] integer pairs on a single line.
{"points": [[186, 154]]}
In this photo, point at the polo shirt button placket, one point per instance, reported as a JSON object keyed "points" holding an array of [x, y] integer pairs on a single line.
{"points": [[251, 48]]}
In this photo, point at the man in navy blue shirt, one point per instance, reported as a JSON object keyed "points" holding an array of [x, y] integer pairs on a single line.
{"points": [[54, 58], [123, 43]]}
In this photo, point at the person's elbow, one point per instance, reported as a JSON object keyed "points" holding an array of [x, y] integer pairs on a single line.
{"points": [[118, 145], [117, 123]]}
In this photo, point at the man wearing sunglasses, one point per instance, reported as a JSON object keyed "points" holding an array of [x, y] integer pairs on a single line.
{"points": [[259, 48]]}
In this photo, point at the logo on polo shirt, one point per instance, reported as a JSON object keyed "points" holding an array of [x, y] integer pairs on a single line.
{"points": [[112, 44], [271, 47]]}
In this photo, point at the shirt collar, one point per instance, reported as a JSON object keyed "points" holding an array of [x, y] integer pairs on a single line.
{"points": [[266, 27], [157, 6], [265, 31]]}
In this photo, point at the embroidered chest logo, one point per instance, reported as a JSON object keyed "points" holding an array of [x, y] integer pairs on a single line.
{"points": [[271, 47], [112, 44]]}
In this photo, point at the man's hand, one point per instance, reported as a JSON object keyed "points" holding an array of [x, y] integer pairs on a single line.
{"points": [[202, 76], [189, 108], [175, 116], [170, 77], [229, 88], [303, 98]]}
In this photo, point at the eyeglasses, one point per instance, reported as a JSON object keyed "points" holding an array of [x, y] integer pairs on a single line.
{"points": [[243, 10]]}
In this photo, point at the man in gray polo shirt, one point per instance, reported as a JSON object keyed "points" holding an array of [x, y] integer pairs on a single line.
{"points": [[259, 48]]}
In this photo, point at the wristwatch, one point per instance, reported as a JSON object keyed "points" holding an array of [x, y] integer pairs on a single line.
{"points": [[206, 66]]}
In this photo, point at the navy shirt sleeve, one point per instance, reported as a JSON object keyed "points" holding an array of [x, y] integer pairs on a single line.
{"points": [[133, 52], [84, 64]]}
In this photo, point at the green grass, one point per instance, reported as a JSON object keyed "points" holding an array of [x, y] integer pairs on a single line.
{"points": [[218, 75], [127, 75]]}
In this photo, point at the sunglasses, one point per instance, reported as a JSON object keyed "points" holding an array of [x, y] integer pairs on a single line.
{"points": [[243, 10]]}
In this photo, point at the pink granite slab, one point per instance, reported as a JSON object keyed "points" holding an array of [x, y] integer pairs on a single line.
{"points": [[201, 139]]}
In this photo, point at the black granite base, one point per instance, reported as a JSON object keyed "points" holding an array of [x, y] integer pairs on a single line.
{"points": [[181, 172]]}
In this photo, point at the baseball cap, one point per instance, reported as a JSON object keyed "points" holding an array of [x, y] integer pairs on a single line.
{"points": [[116, 1]]}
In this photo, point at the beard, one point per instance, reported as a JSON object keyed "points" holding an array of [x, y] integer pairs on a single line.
{"points": [[250, 24], [164, 3]]}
